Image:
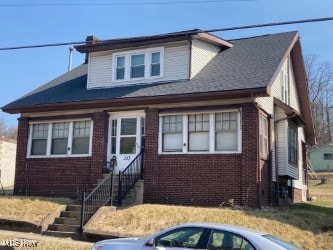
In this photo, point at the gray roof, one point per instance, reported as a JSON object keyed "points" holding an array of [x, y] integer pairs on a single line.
{"points": [[250, 64]]}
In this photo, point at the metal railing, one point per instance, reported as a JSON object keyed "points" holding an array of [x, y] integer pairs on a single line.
{"points": [[129, 176], [98, 197]]}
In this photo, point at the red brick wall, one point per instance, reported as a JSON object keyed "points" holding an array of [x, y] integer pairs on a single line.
{"points": [[66, 176], [207, 179]]}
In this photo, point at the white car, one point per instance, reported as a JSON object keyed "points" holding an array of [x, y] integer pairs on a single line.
{"points": [[199, 236]]}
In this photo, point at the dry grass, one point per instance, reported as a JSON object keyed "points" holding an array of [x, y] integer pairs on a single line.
{"points": [[308, 225], [44, 243], [33, 209], [294, 224]]}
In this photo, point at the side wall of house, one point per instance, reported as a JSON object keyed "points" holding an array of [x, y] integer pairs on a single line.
{"points": [[317, 159], [7, 163], [66, 176], [203, 179], [202, 53]]}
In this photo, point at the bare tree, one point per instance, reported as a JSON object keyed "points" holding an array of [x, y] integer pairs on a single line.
{"points": [[9, 132], [320, 84]]}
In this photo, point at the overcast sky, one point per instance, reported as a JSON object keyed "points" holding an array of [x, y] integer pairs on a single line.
{"points": [[29, 22]]}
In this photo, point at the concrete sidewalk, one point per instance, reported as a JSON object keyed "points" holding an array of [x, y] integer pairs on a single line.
{"points": [[13, 235]]}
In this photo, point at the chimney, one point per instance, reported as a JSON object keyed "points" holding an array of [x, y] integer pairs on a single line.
{"points": [[90, 40]]}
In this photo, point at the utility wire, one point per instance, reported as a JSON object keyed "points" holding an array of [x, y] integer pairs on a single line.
{"points": [[211, 30], [119, 4]]}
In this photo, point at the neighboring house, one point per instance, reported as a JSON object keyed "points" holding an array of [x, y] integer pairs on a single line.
{"points": [[322, 158], [216, 119], [7, 162]]}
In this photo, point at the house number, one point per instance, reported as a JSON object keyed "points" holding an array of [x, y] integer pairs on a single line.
{"points": [[127, 158]]}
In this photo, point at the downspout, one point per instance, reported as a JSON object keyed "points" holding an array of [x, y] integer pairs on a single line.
{"points": [[257, 158], [276, 154]]}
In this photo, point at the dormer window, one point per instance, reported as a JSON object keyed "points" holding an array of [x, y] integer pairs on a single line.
{"points": [[138, 64]]}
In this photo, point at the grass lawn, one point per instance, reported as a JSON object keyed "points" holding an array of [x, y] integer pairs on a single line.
{"points": [[33, 209], [307, 225]]}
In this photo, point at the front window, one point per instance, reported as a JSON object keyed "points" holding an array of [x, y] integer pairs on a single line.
{"points": [[172, 132], [328, 156], [292, 144], [138, 64], [263, 135], [39, 139], [68, 138], [81, 137], [198, 132], [226, 131], [59, 138], [217, 132]]}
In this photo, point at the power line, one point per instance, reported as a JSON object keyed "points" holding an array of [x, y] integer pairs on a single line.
{"points": [[119, 4], [211, 30]]}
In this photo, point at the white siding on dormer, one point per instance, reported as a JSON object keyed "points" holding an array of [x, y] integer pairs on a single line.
{"points": [[176, 66], [202, 53], [99, 70]]}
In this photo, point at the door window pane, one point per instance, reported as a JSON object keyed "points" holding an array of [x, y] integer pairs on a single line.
{"points": [[127, 145], [137, 66], [128, 126], [113, 136]]}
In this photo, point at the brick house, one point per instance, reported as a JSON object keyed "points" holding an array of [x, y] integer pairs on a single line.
{"points": [[214, 119]]}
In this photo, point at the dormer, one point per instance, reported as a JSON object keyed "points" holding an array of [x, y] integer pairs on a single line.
{"points": [[149, 59]]}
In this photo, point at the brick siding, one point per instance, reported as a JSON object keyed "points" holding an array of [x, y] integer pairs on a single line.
{"points": [[67, 176], [205, 179]]}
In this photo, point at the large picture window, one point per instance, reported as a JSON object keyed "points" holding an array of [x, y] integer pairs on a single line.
{"points": [[137, 64], [69, 138], [207, 132]]}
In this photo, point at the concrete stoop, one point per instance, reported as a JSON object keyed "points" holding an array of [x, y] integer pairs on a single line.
{"points": [[67, 225]]}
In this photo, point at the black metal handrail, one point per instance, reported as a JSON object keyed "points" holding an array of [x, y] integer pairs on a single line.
{"points": [[98, 197], [129, 176]]}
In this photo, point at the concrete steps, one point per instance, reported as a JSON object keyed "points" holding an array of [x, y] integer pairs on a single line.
{"points": [[67, 225]]}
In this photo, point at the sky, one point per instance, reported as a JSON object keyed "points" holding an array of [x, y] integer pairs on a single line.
{"points": [[31, 22]]}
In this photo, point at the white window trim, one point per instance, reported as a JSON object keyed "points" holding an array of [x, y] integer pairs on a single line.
{"points": [[49, 139], [128, 54], [211, 132]]}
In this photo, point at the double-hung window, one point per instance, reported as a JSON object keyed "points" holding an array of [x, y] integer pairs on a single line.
{"points": [[64, 138], [172, 133], [198, 132], [138, 64], [292, 144], [263, 135], [206, 132]]}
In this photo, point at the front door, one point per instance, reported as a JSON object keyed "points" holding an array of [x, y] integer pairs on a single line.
{"points": [[125, 140]]}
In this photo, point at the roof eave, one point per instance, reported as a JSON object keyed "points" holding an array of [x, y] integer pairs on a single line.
{"points": [[135, 101]]}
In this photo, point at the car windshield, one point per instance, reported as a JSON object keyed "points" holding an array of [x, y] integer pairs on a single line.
{"points": [[280, 242]]}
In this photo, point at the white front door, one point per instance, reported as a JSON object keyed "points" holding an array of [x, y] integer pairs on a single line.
{"points": [[125, 137]]}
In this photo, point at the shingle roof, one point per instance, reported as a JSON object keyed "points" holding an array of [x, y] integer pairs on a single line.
{"points": [[250, 64]]}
